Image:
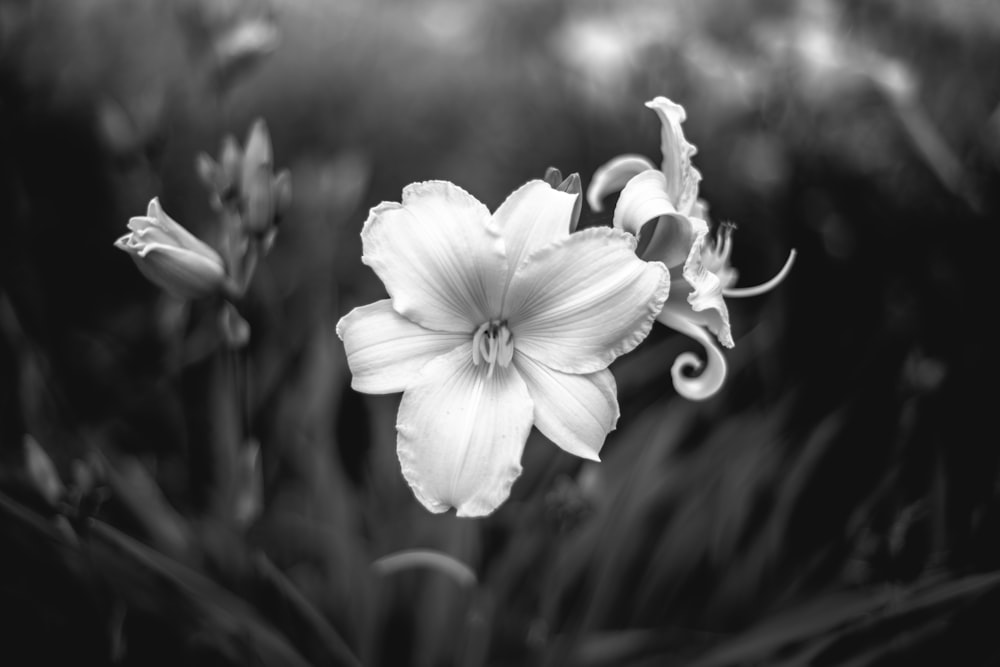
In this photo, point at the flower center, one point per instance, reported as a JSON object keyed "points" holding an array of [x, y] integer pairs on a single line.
{"points": [[492, 344], [716, 257]]}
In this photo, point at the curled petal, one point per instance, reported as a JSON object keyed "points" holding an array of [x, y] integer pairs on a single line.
{"points": [[672, 239], [461, 433], [386, 351], [576, 412], [441, 261], [682, 178], [532, 217], [579, 303], [612, 177], [644, 199], [711, 376]]}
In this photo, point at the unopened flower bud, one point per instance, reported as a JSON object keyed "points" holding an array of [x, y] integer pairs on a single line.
{"points": [[572, 185], [235, 330], [267, 241], [282, 187], [209, 171], [243, 46], [249, 498], [230, 159], [41, 471], [256, 180], [211, 176], [553, 177], [171, 256]]}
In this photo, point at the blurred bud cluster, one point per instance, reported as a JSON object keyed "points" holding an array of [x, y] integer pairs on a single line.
{"points": [[249, 199]]}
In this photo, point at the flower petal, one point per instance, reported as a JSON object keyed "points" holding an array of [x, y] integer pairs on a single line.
{"points": [[386, 351], [461, 433], [440, 260], [579, 303], [180, 235], [147, 230], [682, 177], [711, 376], [184, 273], [533, 216], [705, 299], [612, 177], [643, 200], [576, 412]]}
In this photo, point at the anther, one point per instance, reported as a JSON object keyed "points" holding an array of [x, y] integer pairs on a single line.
{"points": [[493, 344]]}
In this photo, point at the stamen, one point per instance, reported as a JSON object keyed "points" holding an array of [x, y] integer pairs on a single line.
{"points": [[715, 253], [743, 292], [724, 241], [506, 352], [477, 352], [493, 344]]}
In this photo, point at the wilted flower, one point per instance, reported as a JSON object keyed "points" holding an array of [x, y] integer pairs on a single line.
{"points": [[171, 256], [495, 323], [679, 238]]}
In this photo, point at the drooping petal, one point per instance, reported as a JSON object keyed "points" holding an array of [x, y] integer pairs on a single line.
{"points": [[579, 303], [440, 260], [612, 177], [386, 351], [576, 412], [711, 376], [644, 199], [461, 433], [532, 217], [682, 177]]}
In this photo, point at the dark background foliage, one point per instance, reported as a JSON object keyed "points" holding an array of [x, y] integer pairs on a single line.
{"points": [[835, 504]]}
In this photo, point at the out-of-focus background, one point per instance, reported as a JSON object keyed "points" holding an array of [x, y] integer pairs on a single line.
{"points": [[835, 504]]}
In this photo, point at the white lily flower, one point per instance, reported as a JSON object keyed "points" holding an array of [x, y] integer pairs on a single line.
{"points": [[171, 256], [663, 203], [495, 323]]}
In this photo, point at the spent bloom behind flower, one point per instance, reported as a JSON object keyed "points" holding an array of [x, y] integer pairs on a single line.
{"points": [[171, 256], [495, 323], [679, 237]]}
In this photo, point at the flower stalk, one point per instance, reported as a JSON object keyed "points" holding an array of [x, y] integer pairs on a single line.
{"points": [[249, 200]]}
